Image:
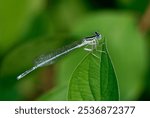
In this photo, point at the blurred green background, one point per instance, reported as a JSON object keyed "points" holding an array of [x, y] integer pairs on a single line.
{"points": [[31, 28]]}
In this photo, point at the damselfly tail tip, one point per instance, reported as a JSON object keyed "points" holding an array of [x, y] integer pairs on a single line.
{"points": [[19, 77], [26, 72]]}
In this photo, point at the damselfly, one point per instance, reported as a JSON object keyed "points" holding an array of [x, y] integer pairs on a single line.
{"points": [[93, 41]]}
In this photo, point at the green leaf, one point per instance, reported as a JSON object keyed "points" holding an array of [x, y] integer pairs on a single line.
{"points": [[94, 78]]}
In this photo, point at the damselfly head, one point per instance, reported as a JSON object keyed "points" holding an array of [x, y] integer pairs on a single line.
{"points": [[98, 36]]}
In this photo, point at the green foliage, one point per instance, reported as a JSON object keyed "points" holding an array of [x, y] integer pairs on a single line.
{"points": [[94, 78]]}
